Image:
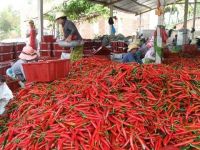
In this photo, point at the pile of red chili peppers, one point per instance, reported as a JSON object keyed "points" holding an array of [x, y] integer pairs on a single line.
{"points": [[109, 106]]}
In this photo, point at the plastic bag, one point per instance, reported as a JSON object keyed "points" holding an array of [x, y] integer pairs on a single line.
{"points": [[5, 96]]}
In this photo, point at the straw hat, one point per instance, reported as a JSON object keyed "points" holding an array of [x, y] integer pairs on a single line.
{"points": [[28, 53], [59, 15], [31, 22], [132, 46]]}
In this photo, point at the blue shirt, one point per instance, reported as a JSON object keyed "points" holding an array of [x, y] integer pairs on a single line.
{"points": [[130, 57]]}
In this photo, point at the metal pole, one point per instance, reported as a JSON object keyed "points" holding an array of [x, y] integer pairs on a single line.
{"points": [[158, 46], [194, 16], [185, 22], [111, 15], [40, 17], [140, 22]]}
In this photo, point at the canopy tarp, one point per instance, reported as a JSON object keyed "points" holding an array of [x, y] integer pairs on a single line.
{"points": [[132, 6]]}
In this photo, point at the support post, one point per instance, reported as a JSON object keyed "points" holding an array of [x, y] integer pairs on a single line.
{"points": [[158, 44], [111, 15], [140, 23], [185, 34], [194, 16], [40, 17]]}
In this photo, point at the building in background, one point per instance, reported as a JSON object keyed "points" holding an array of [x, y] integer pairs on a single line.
{"points": [[126, 24]]}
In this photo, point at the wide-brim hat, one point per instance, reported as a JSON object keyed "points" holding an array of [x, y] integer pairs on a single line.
{"points": [[59, 15], [132, 46], [28, 53], [31, 22]]}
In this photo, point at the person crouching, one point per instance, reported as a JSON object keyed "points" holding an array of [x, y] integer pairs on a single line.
{"points": [[132, 55], [27, 55]]}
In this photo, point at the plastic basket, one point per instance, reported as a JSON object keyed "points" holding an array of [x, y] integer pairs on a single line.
{"points": [[6, 56], [46, 46], [48, 38], [7, 48], [47, 53], [46, 71]]}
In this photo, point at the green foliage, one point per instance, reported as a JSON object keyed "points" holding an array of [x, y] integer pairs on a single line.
{"points": [[80, 10], [9, 23], [171, 9]]}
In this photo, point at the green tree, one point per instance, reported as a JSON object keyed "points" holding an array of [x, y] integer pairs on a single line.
{"points": [[80, 10], [9, 23]]}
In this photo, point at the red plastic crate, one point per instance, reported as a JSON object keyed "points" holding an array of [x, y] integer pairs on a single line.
{"points": [[190, 49], [87, 52], [19, 46], [6, 56], [102, 51], [48, 38], [47, 53], [88, 45], [46, 46], [57, 53], [97, 44], [122, 44], [13, 85], [6, 48], [46, 71], [58, 47], [4, 66]]}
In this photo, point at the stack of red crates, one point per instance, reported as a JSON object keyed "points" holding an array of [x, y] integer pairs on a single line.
{"points": [[46, 46], [57, 50], [119, 47], [7, 56], [190, 49], [88, 48], [18, 49]]}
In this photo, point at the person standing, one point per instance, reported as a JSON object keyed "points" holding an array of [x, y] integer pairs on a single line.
{"points": [[72, 37], [31, 34]]}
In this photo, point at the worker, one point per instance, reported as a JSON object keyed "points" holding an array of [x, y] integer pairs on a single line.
{"points": [[5, 94], [27, 55], [72, 37], [171, 31], [132, 55], [31, 34]]}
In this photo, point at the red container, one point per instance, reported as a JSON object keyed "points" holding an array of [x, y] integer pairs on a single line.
{"points": [[13, 85], [48, 38], [45, 46], [122, 44], [114, 44], [58, 47], [87, 52], [97, 44], [46, 71], [19, 46], [102, 51], [46, 53], [88, 45], [57, 53], [6, 56], [4, 66], [6, 48], [190, 49]]}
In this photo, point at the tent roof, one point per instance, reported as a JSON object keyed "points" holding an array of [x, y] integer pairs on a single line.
{"points": [[132, 6]]}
